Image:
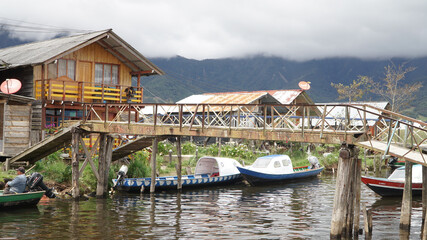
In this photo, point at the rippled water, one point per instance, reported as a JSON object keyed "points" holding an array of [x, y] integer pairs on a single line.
{"points": [[298, 210]]}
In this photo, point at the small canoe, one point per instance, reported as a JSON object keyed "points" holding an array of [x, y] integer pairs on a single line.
{"points": [[395, 183], [275, 168], [210, 171], [20, 199]]}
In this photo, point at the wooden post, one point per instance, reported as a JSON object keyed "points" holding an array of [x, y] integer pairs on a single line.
{"points": [[7, 164], [405, 215], [179, 165], [105, 155], [367, 215], [153, 165], [340, 211], [424, 200], [170, 156], [101, 165], [75, 163], [357, 188]]}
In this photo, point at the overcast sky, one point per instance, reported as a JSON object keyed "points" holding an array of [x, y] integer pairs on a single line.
{"points": [[206, 29]]}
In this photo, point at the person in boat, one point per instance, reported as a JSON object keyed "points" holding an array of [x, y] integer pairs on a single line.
{"points": [[17, 185]]}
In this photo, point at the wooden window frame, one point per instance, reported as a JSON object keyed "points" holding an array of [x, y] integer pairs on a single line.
{"points": [[110, 65], [66, 68]]}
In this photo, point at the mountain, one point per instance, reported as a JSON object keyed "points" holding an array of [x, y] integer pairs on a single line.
{"points": [[185, 77]]}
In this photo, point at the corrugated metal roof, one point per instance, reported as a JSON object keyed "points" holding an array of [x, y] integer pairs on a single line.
{"points": [[339, 111], [224, 98], [286, 96], [50, 50]]}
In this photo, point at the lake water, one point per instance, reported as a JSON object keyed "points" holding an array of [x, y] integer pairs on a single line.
{"points": [[298, 210]]}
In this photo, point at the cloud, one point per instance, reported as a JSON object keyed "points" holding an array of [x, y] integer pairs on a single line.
{"points": [[298, 30]]}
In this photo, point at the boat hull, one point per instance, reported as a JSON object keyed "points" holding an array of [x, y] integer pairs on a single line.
{"points": [[171, 183], [387, 188], [255, 178], [20, 200]]}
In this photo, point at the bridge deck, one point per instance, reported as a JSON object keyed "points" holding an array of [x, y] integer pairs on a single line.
{"points": [[131, 147], [46, 147], [397, 151]]}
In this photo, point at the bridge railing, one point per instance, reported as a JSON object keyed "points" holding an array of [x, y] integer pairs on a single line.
{"points": [[368, 122]]}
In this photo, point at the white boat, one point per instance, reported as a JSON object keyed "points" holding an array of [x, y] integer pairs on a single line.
{"points": [[276, 168], [209, 171]]}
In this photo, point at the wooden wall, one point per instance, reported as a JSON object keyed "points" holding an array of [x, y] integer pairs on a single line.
{"points": [[16, 131], [92, 54]]}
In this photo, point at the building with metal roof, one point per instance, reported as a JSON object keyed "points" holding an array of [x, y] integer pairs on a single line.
{"points": [[94, 67]]}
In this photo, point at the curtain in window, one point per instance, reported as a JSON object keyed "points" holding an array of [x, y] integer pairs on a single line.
{"points": [[71, 69], [115, 78], [51, 69], [98, 73], [107, 74], [62, 67]]}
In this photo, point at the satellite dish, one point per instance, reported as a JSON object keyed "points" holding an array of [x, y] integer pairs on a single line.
{"points": [[304, 85], [10, 86]]}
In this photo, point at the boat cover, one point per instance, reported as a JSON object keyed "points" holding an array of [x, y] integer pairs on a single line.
{"points": [[211, 165], [399, 174]]}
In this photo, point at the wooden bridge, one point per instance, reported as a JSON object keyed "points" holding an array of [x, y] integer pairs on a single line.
{"points": [[386, 132], [382, 131]]}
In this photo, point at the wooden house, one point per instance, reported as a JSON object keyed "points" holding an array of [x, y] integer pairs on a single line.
{"points": [[16, 116], [95, 67]]}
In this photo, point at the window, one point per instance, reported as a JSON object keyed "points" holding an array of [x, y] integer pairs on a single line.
{"points": [[106, 74], [62, 67], [277, 164], [285, 162]]}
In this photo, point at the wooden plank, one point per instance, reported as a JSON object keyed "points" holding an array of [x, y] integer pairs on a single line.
{"points": [[397, 151], [45, 147], [405, 215], [153, 166], [333, 137], [133, 146]]}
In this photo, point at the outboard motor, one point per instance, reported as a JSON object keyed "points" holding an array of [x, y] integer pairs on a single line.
{"points": [[314, 162], [121, 175], [35, 183]]}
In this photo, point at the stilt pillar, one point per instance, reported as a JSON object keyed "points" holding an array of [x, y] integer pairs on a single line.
{"points": [[75, 191], [179, 164], [342, 214], [405, 215], [153, 166], [424, 200], [104, 161], [358, 182]]}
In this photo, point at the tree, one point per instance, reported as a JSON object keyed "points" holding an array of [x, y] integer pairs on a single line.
{"points": [[392, 89], [354, 91]]}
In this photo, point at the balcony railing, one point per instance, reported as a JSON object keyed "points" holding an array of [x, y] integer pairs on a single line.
{"points": [[66, 90]]}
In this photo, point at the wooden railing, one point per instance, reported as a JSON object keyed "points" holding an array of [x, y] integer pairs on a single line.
{"points": [[66, 90], [363, 121]]}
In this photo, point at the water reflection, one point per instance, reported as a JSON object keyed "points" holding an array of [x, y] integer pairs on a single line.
{"points": [[298, 210]]}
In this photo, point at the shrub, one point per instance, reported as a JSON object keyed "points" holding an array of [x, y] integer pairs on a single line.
{"points": [[139, 165], [188, 148]]}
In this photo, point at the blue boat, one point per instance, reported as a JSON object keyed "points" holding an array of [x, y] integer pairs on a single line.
{"points": [[276, 168], [209, 171]]}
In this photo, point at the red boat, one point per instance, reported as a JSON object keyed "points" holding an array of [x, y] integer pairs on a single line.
{"points": [[394, 185]]}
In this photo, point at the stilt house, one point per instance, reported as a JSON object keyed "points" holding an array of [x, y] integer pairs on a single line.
{"points": [[95, 67]]}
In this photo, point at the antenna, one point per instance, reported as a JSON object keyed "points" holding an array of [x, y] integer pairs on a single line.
{"points": [[10, 86], [304, 85]]}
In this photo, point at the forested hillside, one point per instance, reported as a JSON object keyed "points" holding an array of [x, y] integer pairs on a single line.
{"points": [[185, 77]]}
